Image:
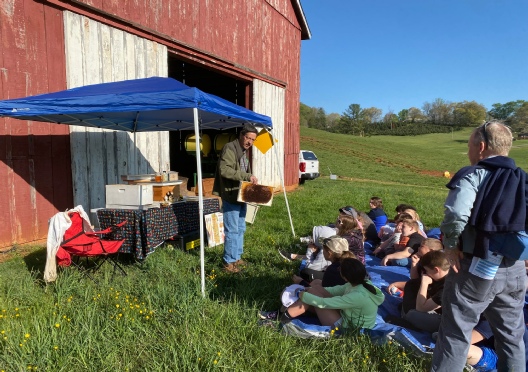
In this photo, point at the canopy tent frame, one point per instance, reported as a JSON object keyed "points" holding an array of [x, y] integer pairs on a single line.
{"points": [[140, 105]]}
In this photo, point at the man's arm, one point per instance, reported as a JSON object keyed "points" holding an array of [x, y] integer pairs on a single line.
{"points": [[458, 206], [397, 255], [423, 303]]}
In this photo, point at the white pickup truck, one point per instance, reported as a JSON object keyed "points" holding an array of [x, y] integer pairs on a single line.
{"points": [[308, 166]]}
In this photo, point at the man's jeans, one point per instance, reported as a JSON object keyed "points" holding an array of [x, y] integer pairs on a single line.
{"points": [[234, 229], [501, 300]]}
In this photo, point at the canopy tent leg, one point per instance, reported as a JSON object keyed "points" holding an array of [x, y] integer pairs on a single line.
{"points": [[200, 197], [282, 184]]}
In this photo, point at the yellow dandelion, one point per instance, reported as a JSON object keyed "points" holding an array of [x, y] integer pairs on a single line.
{"points": [[349, 359], [57, 325], [17, 315], [367, 356], [69, 319], [403, 353], [26, 335], [29, 367], [55, 348], [120, 314], [16, 308], [384, 361], [20, 345], [215, 362], [64, 317], [2, 332], [218, 353], [147, 317], [117, 305]]}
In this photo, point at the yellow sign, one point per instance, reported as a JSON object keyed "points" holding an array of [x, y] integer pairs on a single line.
{"points": [[264, 141]]}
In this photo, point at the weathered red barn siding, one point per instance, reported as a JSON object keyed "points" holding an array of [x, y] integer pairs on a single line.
{"points": [[245, 38], [35, 172], [249, 38]]}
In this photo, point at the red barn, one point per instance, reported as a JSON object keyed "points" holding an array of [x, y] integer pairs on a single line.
{"points": [[246, 51]]}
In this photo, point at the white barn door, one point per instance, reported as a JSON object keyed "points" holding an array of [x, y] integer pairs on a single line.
{"points": [[268, 100], [97, 53]]}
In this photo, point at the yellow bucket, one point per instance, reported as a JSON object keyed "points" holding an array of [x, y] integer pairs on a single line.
{"points": [[205, 144], [221, 139]]}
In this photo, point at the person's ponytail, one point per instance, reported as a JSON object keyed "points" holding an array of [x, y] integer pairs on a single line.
{"points": [[369, 287]]}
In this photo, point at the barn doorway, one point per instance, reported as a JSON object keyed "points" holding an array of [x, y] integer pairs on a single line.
{"points": [[182, 146]]}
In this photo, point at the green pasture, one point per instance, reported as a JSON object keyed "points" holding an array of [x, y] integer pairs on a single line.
{"points": [[155, 319]]}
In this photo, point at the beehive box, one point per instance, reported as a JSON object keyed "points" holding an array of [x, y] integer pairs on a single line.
{"points": [[133, 195]]}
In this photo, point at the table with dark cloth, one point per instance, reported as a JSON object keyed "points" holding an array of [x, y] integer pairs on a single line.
{"points": [[147, 229]]}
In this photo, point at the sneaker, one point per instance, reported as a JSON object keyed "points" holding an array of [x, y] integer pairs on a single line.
{"points": [[231, 268], [306, 239], [286, 255], [269, 315]]}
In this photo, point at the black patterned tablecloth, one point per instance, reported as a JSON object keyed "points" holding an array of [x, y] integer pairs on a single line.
{"points": [[147, 229]]}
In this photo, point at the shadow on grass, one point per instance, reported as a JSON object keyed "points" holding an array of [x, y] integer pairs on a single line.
{"points": [[259, 284], [36, 262]]}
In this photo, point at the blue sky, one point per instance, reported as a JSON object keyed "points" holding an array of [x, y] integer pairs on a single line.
{"points": [[396, 54]]}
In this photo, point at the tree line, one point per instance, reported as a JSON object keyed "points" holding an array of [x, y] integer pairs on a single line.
{"points": [[433, 117]]}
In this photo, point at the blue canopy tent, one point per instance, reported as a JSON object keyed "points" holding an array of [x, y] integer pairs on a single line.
{"points": [[140, 105]]}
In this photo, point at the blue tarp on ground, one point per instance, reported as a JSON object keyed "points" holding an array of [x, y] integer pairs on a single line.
{"points": [[420, 343], [140, 105]]}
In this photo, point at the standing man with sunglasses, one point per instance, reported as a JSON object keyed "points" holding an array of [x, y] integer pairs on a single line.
{"points": [[233, 167], [485, 198]]}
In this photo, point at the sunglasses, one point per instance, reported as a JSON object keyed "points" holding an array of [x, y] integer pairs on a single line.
{"points": [[485, 133]]}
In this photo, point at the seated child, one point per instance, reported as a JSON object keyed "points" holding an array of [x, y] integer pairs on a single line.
{"points": [[414, 215], [391, 237], [376, 213], [335, 249], [422, 298], [402, 258], [348, 228], [428, 245], [349, 306], [347, 225], [481, 355]]}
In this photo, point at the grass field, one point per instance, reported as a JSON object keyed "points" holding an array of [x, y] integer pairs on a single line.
{"points": [[155, 319]]}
